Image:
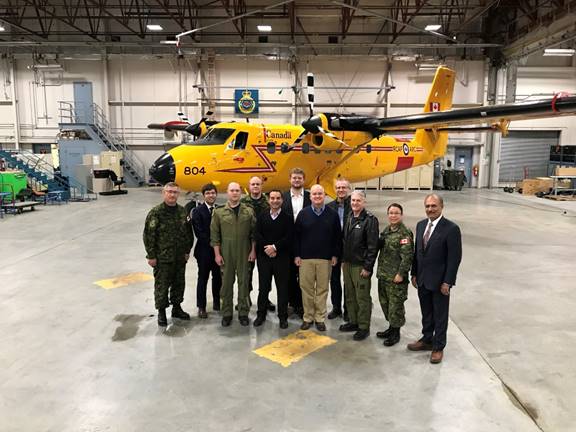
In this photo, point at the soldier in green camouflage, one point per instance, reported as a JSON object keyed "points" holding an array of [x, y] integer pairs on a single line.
{"points": [[259, 203], [232, 235], [396, 245], [168, 241]]}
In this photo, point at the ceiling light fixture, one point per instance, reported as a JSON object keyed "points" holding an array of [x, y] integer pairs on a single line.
{"points": [[154, 27], [2, 28], [169, 42], [433, 27], [559, 52], [264, 28]]}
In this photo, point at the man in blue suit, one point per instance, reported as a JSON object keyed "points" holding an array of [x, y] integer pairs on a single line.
{"points": [[204, 253], [435, 265]]}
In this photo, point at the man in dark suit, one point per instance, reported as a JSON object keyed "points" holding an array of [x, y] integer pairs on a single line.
{"points": [[294, 201], [274, 247], [204, 253], [435, 265]]}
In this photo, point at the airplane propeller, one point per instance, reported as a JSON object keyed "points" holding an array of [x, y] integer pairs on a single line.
{"points": [[183, 124]]}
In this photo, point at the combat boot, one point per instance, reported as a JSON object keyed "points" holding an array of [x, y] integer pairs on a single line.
{"points": [[393, 338], [384, 334], [162, 320], [177, 312]]}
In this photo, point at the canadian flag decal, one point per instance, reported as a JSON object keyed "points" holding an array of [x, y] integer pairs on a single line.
{"points": [[434, 106]]}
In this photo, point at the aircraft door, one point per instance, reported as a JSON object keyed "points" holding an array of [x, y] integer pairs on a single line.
{"points": [[463, 162]]}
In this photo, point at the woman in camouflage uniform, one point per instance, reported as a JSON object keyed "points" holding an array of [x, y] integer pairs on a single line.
{"points": [[396, 246]]}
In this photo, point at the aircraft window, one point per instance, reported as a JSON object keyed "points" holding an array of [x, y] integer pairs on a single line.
{"points": [[240, 141], [215, 136]]}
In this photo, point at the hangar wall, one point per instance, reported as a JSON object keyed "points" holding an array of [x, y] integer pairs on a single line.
{"points": [[137, 90]]}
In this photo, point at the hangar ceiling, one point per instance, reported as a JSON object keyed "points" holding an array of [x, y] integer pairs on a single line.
{"points": [[469, 28]]}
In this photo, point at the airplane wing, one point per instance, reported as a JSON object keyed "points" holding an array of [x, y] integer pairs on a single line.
{"points": [[456, 120]]}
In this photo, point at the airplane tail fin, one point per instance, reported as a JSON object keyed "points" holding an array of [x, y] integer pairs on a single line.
{"points": [[439, 99]]}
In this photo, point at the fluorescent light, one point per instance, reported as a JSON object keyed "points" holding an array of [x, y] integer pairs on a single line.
{"points": [[568, 52], [154, 27], [169, 42], [433, 27], [264, 28], [2, 28]]}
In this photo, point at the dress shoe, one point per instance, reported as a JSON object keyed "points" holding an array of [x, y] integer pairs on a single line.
{"points": [[383, 334], [283, 324], [335, 313], [271, 307], [393, 337], [436, 357], [259, 321], [419, 346], [244, 321], [162, 321], [345, 317], [177, 312], [348, 327], [226, 321], [320, 326], [202, 313], [361, 334], [305, 325]]}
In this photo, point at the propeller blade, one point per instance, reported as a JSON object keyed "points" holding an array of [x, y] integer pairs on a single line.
{"points": [[334, 137], [310, 92], [183, 117]]}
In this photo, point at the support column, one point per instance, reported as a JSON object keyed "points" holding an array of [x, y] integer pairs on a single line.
{"points": [[14, 97]]}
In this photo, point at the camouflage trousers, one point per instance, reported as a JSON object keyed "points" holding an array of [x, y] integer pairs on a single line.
{"points": [[169, 283], [392, 297]]}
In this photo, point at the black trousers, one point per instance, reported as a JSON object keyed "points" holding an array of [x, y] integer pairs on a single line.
{"points": [[336, 287], [294, 291], [279, 268], [205, 267], [434, 306]]}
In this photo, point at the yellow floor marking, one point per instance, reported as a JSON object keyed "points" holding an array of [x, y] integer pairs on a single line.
{"points": [[123, 280], [294, 347]]}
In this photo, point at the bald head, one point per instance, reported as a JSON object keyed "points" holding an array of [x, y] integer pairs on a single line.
{"points": [[317, 195], [255, 187], [234, 193]]}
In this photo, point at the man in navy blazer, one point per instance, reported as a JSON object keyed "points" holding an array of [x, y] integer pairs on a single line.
{"points": [[204, 253], [437, 256]]}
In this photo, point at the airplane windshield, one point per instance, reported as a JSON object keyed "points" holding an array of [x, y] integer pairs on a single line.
{"points": [[215, 136]]}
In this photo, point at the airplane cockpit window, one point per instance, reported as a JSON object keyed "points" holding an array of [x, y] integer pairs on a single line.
{"points": [[215, 136], [240, 141]]}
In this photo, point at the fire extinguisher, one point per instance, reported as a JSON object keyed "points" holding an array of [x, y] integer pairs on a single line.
{"points": [[475, 170]]}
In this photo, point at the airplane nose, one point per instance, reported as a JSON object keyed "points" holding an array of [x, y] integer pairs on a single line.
{"points": [[163, 170], [311, 125]]}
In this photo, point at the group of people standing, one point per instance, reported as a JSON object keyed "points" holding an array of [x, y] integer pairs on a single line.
{"points": [[305, 245]]}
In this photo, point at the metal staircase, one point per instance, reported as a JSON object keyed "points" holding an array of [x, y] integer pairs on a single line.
{"points": [[42, 176], [98, 127]]}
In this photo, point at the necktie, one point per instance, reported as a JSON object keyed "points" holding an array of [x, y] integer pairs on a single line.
{"points": [[211, 210], [427, 234]]}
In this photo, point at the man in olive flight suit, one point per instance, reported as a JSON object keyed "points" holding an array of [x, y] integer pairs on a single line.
{"points": [[232, 235], [358, 257], [168, 241]]}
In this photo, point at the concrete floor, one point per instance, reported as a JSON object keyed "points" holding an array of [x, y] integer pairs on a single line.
{"points": [[76, 357]]}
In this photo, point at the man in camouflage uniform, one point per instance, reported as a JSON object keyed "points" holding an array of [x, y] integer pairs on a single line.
{"points": [[258, 202], [358, 257], [168, 241], [396, 253], [232, 235]]}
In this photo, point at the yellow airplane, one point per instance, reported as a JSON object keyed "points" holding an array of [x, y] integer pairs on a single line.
{"points": [[329, 146]]}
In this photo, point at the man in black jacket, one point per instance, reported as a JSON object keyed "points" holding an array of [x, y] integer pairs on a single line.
{"points": [[340, 205], [318, 243], [204, 253], [274, 242], [293, 201], [437, 257], [358, 257]]}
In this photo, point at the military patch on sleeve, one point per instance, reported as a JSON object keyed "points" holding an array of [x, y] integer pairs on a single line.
{"points": [[404, 241], [152, 223]]}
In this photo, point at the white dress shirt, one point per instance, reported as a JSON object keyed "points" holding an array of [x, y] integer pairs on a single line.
{"points": [[297, 202], [433, 227]]}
